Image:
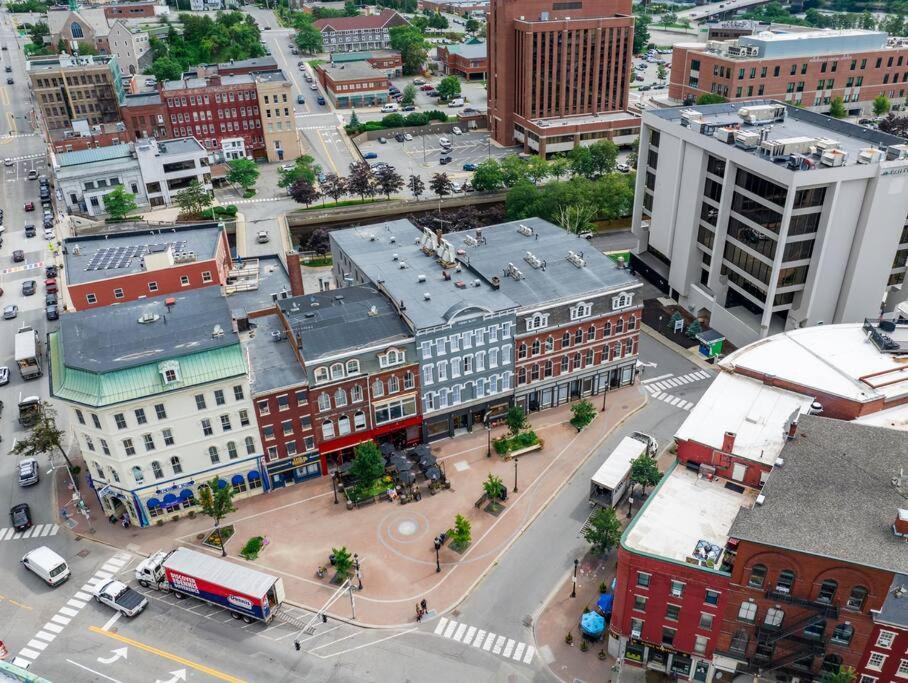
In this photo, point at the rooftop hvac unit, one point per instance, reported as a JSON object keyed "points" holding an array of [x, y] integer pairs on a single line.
{"points": [[532, 260], [725, 134], [421, 278], [834, 157], [824, 144], [871, 155], [690, 115], [747, 139], [525, 230], [785, 147], [470, 241], [896, 152], [760, 114], [402, 265], [426, 296], [576, 259]]}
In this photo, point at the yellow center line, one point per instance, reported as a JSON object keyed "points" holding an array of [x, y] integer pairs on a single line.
{"points": [[18, 604], [167, 655]]}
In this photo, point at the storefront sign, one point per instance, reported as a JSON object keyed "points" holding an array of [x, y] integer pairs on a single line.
{"points": [[173, 487], [105, 490]]}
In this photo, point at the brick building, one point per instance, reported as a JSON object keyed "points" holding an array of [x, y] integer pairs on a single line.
{"points": [[886, 656], [387, 61], [359, 33], [275, 98], [559, 74], [145, 116], [469, 60], [807, 68], [134, 10], [101, 270], [353, 85], [82, 136]]}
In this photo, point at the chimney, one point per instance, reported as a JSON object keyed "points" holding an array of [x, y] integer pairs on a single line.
{"points": [[900, 526], [728, 442], [295, 271], [793, 429]]}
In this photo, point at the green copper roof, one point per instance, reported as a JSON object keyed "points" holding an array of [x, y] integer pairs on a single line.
{"points": [[107, 388]]}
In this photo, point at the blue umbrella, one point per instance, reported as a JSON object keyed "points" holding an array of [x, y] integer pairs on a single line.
{"points": [[592, 624], [605, 603]]}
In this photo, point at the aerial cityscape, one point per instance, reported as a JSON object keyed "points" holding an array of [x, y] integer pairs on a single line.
{"points": [[454, 340]]}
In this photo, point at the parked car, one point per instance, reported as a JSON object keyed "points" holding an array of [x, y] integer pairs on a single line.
{"points": [[50, 285], [444, 160], [300, 100], [623, 168], [408, 107], [29, 287], [18, 256], [444, 142], [20, 517], [29, 472], [10, 312], [50, 271], [7, 162], [313, 86], [32, 174], [644, 88], [469, 167], [382, 140], [52, 312], [49, 232], [427, 88], [399, 137], [370, 155], [47, 565], [456, 187], [262, 237], [408, 137], [9, 81], [432, 93], [467, 187], [456, 131], [29, 230], [4, 375], [419, 81], [50, 299], [29, 206]]}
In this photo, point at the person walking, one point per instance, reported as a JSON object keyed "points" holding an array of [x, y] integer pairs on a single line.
{"points": [[423, 605]]}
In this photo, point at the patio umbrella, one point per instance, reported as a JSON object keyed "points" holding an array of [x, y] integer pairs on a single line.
{"points": [[387, 449], [407, 477], [421, 450], [592, 624], [426, 461], [605, 603], [401, 463], [433, 473]]}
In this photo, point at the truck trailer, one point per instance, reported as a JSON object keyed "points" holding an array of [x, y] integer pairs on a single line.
{"points": [[246, 593], [613, 477], [28, 353]]}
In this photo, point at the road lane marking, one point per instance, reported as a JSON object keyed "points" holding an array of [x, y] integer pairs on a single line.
{"points": [[44, 635], [477, 642], [68, 611], [335, 642], [441, 625], [36, 644], [110, 622], [452, 625], [459, 633], [82, 596], [18, 604], [167, 655], [360, 647], [63, 621], [528, 657], [53, 628], [96, 673], [31, 654], [498, 644], [509, 648]]}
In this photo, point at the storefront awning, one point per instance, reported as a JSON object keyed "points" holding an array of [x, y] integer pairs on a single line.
{"points": [[254, 474], [153, 503], [237, 479], [170, 499], [186, 494]]}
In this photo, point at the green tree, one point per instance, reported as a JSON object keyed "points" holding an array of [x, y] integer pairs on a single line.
{"points": [[559, 167], [472, 26], [308, 39], [487, 177], [582, 413], [576, 218], [492, 487], [304, 168], [194, 199], [354, 121], [604, 156], [37, 32], [516, 420], [304, 192], [522, 199], [86, 48], [668, 18], [416, 186], [635, 150], [438, 21], [449, 87], [461, 534], [513, 170], [537, 169], [711, 98], [119, 203], [242, 172], [368, 463], [661, 72], [645, 471], [603, 531], [166, 69], [408, 95], [61, 46], [343, 562], [217, 502], [837, 108], [881, 105], [841, 675], [694, 329], [412, 45], [43, 436], [641, 33], [350, 9]]}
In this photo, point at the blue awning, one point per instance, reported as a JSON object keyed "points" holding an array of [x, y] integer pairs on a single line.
{"points": [[237, 479], [222, 484], [254, 474], [605, 603], [186, 494], [153, 503], [170, 499]]}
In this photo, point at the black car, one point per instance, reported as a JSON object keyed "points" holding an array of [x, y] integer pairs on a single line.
{"points": [[50, 271], [20, 517], [29, 230], [408, 107], [444, 160], [52, 312], [399, 137], [28, 287]]}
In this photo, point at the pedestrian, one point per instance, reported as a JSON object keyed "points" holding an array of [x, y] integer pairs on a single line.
{"points": [[418, 616], [423, 605]]}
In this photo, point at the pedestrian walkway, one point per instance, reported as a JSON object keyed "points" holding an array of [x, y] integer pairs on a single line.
{"points": [[486, 641], [660, 387], [25, 157], [257, 200], [37, 531]]}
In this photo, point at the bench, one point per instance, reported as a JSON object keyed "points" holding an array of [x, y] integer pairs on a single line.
{"points": [[482, 499]]}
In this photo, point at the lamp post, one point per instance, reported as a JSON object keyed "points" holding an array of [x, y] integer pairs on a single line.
{"points": [[630, 504], [574, 581], [359, 576], [604, 392], [488, 426], [334, 485], [515, 474], [437, 548]]}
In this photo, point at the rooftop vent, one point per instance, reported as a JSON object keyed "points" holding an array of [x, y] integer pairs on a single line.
{"points": [[371, 236], [477, 283], [525, 230], [421, 278], [147, 318], [392, 239], [460, 284], [816, 408], [513, 271], [394, 257], [534, 261], [576, 259], [403, 264], [373, 311], [470, 241], [217, 332]]}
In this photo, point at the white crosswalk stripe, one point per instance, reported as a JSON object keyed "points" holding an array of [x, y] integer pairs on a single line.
{"points": [[39, 530], [492, 643], [659, 389]]}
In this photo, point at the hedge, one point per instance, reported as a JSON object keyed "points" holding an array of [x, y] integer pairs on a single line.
{"points": [[228, 211], [416, 118]]}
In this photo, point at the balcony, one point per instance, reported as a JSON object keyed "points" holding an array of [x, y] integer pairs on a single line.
{"points": [[827, 610]]}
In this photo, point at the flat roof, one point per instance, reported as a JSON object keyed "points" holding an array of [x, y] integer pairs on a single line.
{"points": [[685, 512], [469, 50], [759, 415], [94, 155], [111, 338], [556, 279], [832, 359], [179, 146], [349, 71], [272, 363], [266, 62], [834, 497], [141, 99], [98, 257], [584, 119], [891, 418], [273, 280], [46, 63], [894, 610], [322, 322], [275, 76], [390, 256]]}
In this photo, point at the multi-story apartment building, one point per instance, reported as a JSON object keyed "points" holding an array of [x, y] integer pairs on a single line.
{"points": [[101, 270], [806, 68], [131, 46], [577, 323], [363, 32], [470, 59], [145, 116], [354, 85], [559, 73], [68, 88], [157, 393], [765, 217], [170, 166], [275, 98], [463, 325], [886, 655], [85, 177]]}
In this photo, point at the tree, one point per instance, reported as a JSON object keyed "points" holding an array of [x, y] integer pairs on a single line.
{"points": [[594, 161], [304, 168], [537, 169], [645, 471], [513, 170], [166, 69], [448, 88], [368, 463], [641, 33], [516, 420], [837, 108], [461, 534], [603, 531], [37, 32], [492, 487], [441, 185], [438, 20], [582, 413], [488, 176], [576, 218], [408, 96], [319, 241], [242, 172], [119, 203], [309, 39], [668, 18], [895, 125], [661, 72], [694, 329], [43, 436], [635, 151], [416, 186], [881, 105], [412, 45], [343, 562], [472, 26], [841, 675], [304, 192], [354, 121], [334, 186], [194, 199], [217, 502], [388, 181], [559, 167], [711, 98], [361, 180], [350, 9]]}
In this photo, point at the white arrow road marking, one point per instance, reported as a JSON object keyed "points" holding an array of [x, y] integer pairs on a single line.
{"points": [[119, 653], [175, 676]]}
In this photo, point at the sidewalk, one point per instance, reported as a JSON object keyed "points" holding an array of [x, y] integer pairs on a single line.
{"points": [[394, 542]]}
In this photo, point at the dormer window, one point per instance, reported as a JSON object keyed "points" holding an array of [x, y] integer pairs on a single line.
{"points": [[582, 310], [170, 371], [337, 371], [392, 357], [321, 374], [623, 300], [537, 321]]}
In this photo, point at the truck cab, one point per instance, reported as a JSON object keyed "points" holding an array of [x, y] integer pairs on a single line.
{"points": [[150, 571]]}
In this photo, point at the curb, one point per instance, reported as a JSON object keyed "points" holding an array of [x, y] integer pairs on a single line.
{"points": [[681, 351]]}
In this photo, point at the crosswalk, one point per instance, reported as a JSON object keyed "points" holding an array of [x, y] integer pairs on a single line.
{"points": [[485, 640], [37, 531], [660, 388], [27, 157], [258, 201]]}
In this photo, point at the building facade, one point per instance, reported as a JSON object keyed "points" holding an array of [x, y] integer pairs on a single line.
{"points": [[275, 98], [359, 33], [178, 421], [354, 85], [886, 656], [85, 177], [131, 46], [170, 166], [145, 116], [559, 76], [469, 60], [80, 26], [758, 246], [82, 136]]}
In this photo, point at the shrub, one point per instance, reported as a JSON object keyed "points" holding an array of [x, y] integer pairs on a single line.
{"points": [[584, 646], [253, 547], [436, 115]]}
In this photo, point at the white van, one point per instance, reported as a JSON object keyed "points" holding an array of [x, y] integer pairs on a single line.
{"points": [[390, 106], [44, 562], [457, 102]]}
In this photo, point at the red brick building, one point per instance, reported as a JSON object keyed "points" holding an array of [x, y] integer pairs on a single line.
{"points": [[102, 135], [101, 270], [469, 60], [353, 84], [145, 116], [559, 74], [886, 656], [130, 10]]}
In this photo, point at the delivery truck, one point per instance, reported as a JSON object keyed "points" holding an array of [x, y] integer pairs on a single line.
{"points": [[612, 479], [246, 593]]}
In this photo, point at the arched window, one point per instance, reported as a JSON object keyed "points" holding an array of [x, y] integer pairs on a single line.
{"points": [[842, 634], [99, 471], [359, 420], [393, 384], [536, 347], [343, 425], [619, 326], [356, 393], [785, 581], [137, 474], [578, 336], [774, 617], [578, 360], [564, 363], [549, 343], [321, 374], [231, 450], [607, 330], [114, 475], [340, 398], [176, 465], [214, 455], [328, 429], [337, 371], [632, 323], [827, 591], [324, 402], [747, 611], [857, 598], [547, 370], [565, 340], [831, 664], [75, 29], [522, 376], [250, 445], [378, 389], [739, 642], [591, 333], [757, 576], [352, 367], [156, 469], [522, 351]]}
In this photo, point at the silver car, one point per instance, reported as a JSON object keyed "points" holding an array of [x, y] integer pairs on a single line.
{"points": [[28, 471]]}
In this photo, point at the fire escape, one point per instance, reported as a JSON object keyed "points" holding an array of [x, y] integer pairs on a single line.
{"points": [[800, 642]]}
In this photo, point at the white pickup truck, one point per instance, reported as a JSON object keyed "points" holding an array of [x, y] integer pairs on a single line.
{"points": [[121, 597]]}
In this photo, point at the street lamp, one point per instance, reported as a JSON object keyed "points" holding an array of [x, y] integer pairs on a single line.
{"points": [[334, 485], [488, 426], [359, 576], [604, 392], [437, 548], [630, 504], [515, 474], [574, 581]]}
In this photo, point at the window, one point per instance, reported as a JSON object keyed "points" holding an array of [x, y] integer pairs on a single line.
{"points": [[200, 401], [876, 660], [264, 408], [129, 447], [903, 663], [591, 333], [857, 598], [168, 437], [623, 300], [672, 612], [214, 455], [774, 617], [343, 425], [640, 603], [176, 465], [160, 411], [578, 336], [148, 439], [104, 447], [206, 276], [137, 474], [827, 591], [206, 427], [712, 597], [643, 579], [408, 380], [785, 581], [537, 321], [250, 445], [184, 280], [225, 423], [89, 442], [668, 636], [700, 644], [328, 429], [356, 393], [392, 357], [324, 402], [287, 427], [283, 402], [302, 397], [352, 367], [156, 469], [219, 399], [231, 450], [677, 589], [706, 620], [842, 634], [80, 417], [427, 371], [885, 639], [739, 642], [321, 374], [581, 310], [120, 421], [757, 576], [118, 293], [747, 611], [140, 416], [238, 394]]}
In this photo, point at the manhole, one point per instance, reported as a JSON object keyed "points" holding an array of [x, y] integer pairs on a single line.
{"points": [[407, 528], [83, 553]]}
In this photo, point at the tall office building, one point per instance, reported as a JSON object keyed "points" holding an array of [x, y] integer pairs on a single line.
{"points": [[766, 217], [559, 73]]}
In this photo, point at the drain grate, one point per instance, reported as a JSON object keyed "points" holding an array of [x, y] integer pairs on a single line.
{"points": [[83, 553]]}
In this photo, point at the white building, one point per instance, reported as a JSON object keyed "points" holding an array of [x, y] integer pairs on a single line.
{"points": [[157, 393], [131, 46], [84, 177], [763, 217], [203, 5], [169, 167]]}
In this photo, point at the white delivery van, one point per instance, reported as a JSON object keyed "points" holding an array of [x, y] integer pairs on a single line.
{"points": [[49, 566], [457, 102], [390, 106]]}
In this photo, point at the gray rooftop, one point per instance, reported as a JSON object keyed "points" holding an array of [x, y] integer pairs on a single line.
{"points": [[141, 99], [342, 320], [895, 607], [111, 338], [266, 63], [469, 50], [276, 76], [350, 71], [179, 146], [273, 363], [273, 280], [560, 279], [834, 497], [372, 249], [103, 256]]}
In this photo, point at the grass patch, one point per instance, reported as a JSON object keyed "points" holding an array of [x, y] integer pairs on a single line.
{"points": [[248, 194], [318, 262], [253, 547], [314, 62], [358, 493], [228, 211], [506, 444], [31, 50], [343, 202], [615, 255]]}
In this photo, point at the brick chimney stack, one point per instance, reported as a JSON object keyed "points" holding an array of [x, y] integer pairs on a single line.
{"points": [[295, 271], [728, 442]]}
